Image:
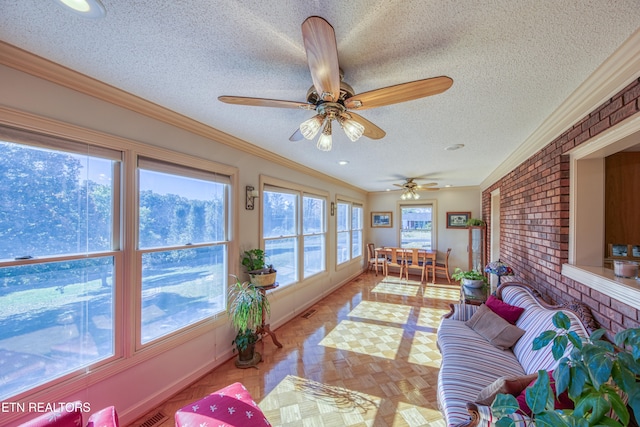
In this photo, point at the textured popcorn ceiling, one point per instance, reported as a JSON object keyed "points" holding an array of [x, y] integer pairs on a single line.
{"points": [[513, 63]]}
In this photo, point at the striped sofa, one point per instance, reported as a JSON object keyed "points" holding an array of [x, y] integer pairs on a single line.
{"points": [[470, 362]]}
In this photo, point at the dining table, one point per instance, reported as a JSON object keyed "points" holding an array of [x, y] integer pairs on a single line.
{"points": [[405, 255]]}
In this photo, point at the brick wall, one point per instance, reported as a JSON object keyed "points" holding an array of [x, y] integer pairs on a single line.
{"points": [[534, 215]]}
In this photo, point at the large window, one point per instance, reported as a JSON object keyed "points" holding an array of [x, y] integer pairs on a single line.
{"points": [[349, 231], [291, 245], [182, 246], [69, 258], [416, 225], [58, 258]]}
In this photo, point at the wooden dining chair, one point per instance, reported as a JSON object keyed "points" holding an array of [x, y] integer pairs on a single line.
{"points": [[442, 267], [396, 260], [416, 260], [376, 261]]}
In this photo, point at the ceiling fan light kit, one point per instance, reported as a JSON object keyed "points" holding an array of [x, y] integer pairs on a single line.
{"points": [[332, 98]]}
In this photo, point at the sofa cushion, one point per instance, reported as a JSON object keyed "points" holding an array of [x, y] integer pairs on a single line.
{"points": [[107, 417], [504, 385], [494, 328], [510, 313], [231, 406], [469, 364], [535, 320]]}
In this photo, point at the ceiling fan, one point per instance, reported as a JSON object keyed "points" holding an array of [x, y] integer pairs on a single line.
{"points": [[410, 188], [332, 98]]}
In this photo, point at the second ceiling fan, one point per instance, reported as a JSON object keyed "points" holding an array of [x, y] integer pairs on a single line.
{"points": [[332, 98]]}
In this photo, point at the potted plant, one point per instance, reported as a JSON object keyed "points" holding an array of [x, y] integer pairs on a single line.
{"points": [[596, 375], [247, 303], [475, 222], [260, 274], [470, 278]]}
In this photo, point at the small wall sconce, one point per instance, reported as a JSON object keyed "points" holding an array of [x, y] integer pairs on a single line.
{"points": [[252, 194]]}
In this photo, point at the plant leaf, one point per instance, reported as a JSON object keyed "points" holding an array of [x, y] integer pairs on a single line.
{"points": [[506, 422], [575, 339], [597, 334], [551, 419], [562, 376], [561, 320], [619, 407], [622, 376], [559, 346], [540, 397], [634, 400], [543, 339], [600, 367], [577, 382], [593, 404], [504, 404]]}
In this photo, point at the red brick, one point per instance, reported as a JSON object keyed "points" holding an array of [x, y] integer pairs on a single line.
{"points": [[625, 112]]}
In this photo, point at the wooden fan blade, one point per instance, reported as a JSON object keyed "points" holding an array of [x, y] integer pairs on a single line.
{"points": [[370, 130], [297, 136], [263, 102], [322, 57], [429, 184], [398, 93]]}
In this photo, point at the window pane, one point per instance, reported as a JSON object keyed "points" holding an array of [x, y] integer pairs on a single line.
{"points": [[314, 251], [356, 236], [313, 215], [416, 226], [176, 210], [53, 202], [356, 249], [181, 287], [283, 254], [55, 318], [343, 247], [279, 217], [342, 220]]}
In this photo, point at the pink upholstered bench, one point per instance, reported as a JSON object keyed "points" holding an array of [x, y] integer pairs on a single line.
{"points": [[232, 405]]}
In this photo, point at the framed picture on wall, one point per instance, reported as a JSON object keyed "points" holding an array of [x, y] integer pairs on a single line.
{"points": [[381, 219], [458, 219]]}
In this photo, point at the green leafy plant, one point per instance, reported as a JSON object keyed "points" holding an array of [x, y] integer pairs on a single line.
{"points": [[459, 274], [474, 222], [254, 259], [595, 374], [246, 303]]}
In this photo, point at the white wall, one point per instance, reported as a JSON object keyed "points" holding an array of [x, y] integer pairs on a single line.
{"points": [[445, 200]]}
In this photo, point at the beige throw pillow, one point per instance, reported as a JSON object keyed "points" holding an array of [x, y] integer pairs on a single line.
{"points": [[504, 385], [493, 328]]}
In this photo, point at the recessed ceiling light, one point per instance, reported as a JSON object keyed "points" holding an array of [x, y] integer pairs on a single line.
{"points": [[388, 189], [454, 147], [448, 185], [86, 8], [343, 162]]}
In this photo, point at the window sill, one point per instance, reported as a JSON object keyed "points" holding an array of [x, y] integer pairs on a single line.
{"points": [[603, 280]]}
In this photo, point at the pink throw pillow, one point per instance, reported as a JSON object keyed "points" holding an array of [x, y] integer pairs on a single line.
{"points": [[510, 313], [560, 402], [107, 417]]}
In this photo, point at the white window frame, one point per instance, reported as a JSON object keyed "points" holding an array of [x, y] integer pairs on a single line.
{"points": [[275, 184], [350, 203], [187, 171], [126, 288], [418, 204]]}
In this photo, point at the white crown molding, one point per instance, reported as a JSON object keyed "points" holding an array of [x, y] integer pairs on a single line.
{"points": [[613, 75], [24, 61]]}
